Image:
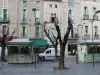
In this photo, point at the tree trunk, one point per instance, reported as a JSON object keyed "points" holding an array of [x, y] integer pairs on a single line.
{"points": [[56, 52], [3, 48], [3, 53], [62, 55]]}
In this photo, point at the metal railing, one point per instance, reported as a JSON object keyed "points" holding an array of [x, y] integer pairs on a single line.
{"points": [[96, 36], [86, 17], [86, 36], [4, 20]]}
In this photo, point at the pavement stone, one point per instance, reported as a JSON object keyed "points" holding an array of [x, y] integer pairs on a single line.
{"points": [[46, 68]]}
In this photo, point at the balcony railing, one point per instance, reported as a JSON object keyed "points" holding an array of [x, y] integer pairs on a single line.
{"points": [[96, 36], [23, 35], [75, 36], [86, 17], [24, 22], [86, 36], [96, 18], [4, 20]]}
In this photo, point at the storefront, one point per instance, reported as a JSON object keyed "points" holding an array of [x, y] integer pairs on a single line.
{"points": [[20, 51], [87, 49]]}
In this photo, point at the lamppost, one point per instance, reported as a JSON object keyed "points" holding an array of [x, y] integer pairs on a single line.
{"points": [[92, 31], [34, 9]]}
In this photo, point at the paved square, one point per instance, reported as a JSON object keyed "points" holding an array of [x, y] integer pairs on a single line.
{"points": [[46, 68]]}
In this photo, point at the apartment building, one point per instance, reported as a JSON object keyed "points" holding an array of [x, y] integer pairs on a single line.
{"points": [[61, 9], [89, 31], [24, 15]]}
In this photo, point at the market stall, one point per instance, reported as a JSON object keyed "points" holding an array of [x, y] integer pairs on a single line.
{"points": [[20, 51]]}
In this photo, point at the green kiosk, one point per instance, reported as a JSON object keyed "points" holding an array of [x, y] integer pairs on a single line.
{"points": [[20, 51]]}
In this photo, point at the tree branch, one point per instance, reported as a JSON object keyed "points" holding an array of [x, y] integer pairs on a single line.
{"points": [[70, 26], [58, 31], [47, 34], [12, 35], [56, 40]]}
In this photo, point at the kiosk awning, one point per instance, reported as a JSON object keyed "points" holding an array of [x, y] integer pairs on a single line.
{"points": [[19, 42], [38, 43]]}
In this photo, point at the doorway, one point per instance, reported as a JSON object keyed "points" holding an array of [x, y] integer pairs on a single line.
{"points": [[72, 47]]}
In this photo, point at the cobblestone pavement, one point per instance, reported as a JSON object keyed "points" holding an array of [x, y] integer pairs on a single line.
{"points": [[46, 68]]}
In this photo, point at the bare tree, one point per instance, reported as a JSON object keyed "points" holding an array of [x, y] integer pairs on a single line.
{"points": [[54, 43], [3, 42], [62, 41]]}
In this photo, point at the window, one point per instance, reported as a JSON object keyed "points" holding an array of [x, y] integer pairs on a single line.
{"points": [[5, 4], [85, 10], [51, 14], [52, 19], [37, 20], [86, 29], [70, 13], [24, 50], [37, 2], [54, 15], [50, 6], [24, 15], [94, 10], [23, 31], [49, 51], [4, 29], [55, 6], [96, 30], [5, 15], [13, 50], [52, 33], [71, 3], [91, 50], [24, 2]]}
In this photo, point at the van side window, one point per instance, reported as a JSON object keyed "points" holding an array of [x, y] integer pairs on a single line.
{"points": [[48, 51]]}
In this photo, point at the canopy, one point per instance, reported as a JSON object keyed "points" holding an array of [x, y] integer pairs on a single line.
{"points": [[19, 41], [38, 43]]}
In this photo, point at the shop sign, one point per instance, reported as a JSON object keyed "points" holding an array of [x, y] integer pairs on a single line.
{"points": [[19, 58]]}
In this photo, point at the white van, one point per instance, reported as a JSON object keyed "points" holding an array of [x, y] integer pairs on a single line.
{"points": [[49, 54], [6, 53]]}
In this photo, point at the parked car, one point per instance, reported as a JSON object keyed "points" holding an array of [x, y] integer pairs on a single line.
{"points": [[6, 53], [49, 54]]}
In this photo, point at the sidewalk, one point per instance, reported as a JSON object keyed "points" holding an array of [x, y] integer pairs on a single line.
{"points": [[45, 68]]}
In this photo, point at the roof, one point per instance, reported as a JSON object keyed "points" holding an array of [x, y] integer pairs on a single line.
{"points": [[20, 41]]}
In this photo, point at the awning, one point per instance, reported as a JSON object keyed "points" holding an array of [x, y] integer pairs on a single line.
{"points": [[38, 43], [19, 41]]}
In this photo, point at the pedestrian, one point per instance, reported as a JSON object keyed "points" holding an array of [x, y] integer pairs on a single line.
{"points": [[76, 58], [73, 52]]}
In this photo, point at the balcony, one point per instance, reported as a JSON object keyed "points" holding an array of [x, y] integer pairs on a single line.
{"points": [[86, 36], [4, 20], [75, 36], [23, 35], [86, 17], [96, 18], [96, 36], [24, 22]]}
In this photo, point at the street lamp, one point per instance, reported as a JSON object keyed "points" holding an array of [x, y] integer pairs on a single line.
{"points": [[34, 9], [92, 31]]}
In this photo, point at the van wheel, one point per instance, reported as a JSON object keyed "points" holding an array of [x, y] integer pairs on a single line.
{"points": [[43, 58]]}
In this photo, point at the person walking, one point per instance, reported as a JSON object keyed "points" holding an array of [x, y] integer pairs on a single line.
{"points": [[73, 52], [76, 57]]}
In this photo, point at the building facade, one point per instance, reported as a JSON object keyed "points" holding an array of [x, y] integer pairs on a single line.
{"points": [[19, 15], [61, 10], [89, 31]]}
